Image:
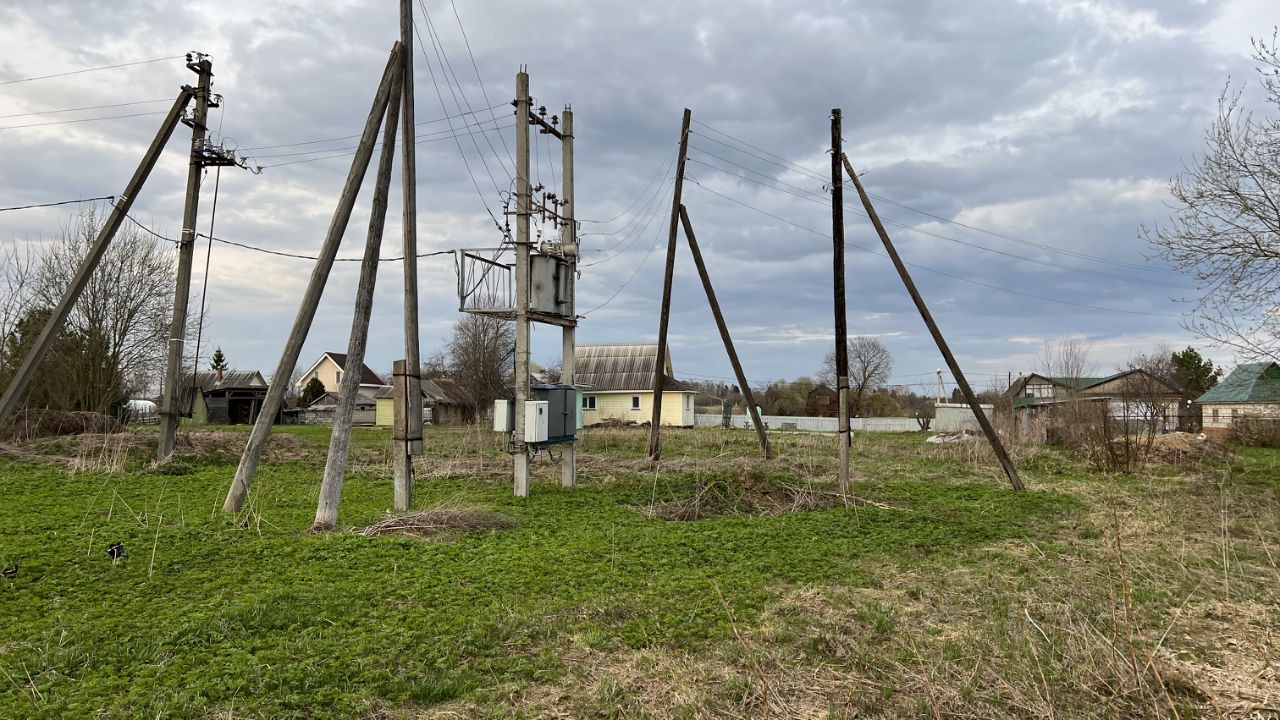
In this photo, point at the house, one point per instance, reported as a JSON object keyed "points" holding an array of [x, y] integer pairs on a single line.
{"points": [[321, 410], [329, 368], [822, 401], [1133, 396], [444, 402], [1251, 391], [616, 383], [231, 397]]}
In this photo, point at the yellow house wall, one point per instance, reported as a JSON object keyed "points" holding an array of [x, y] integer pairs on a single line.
{"points": [[327, 371], [677, 408], [199, 413], [385, 414]]}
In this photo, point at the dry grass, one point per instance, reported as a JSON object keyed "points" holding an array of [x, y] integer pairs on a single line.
{"points": [[438, 520]]}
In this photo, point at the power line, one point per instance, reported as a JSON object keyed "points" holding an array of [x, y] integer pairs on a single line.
{"points": [[930, 233], [349, 153], [354, 147], [929, 269], [82, 120], [54, 204], [783, 162], [662, 171], [483, 92], [300, 256], [86, 107], [351, 137], [87, 70]]}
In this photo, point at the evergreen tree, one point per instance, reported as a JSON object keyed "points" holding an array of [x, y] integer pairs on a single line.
{"points": [[313, 390], [1195, 374], [218, 361]]}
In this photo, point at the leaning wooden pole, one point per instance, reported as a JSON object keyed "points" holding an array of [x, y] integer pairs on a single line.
{"points": [[335, 467], [664, 316], [409, 180], [983, 421], [315, 287], [724, 334], [27, 369]]}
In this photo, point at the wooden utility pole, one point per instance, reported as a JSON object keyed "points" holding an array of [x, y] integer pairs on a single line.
{"points": [[170, 412], [664, 317], [335, 467], [409, 175], [983, 421], [315, 287], [26, 370], [724, 334], [401, 459], [569, 247], [842, 331], [524, 203]]}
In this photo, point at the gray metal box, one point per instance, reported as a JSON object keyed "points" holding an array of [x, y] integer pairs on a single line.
{"points": [[548, 285], [562, 410]]}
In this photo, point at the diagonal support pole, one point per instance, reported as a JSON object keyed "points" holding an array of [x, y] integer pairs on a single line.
{"points": [[315, 287], [26, 371], [983, 421], [335, 467], [724, 334], [664, 317]]}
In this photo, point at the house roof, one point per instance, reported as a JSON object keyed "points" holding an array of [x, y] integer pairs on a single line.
{"points": [[206, 381], [605, 368], [1251, 382], [1080, 384], [367, 375], [440, 391]]}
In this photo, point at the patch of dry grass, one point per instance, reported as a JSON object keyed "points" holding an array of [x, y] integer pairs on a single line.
{"points": [[438, 520]]}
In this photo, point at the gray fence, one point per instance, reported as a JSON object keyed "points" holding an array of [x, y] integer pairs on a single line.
{"points": [[812, 424]]}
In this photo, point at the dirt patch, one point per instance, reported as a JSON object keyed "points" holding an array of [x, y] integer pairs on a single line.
{"points": [[439, 520], [30, 424], [749, 492]]}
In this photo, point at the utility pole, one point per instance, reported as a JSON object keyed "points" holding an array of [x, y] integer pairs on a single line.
{"points": [[26, 370], [659, 370], [761, 435], [569, 247], [409, 174], [315, 287], [335, 467], [983, 421], [524, 203], [170, 412], [842, 331]]}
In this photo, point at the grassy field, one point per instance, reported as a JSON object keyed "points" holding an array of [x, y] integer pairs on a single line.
{"points": [[943, 595]]}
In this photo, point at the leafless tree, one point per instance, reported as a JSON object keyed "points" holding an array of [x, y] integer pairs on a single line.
{"points": [[1225, 230], [114, 341], [870, 365], [17, 271], [480, 357]]}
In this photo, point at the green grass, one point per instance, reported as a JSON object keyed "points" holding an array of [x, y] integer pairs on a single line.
{"points": [[212, 615]]}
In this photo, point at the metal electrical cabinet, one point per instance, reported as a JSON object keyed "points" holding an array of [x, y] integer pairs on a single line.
{"points": [[551, 416], [548, 285]]}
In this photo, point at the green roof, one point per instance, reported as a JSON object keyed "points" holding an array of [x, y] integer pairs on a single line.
{"points": [[1251, 382]]}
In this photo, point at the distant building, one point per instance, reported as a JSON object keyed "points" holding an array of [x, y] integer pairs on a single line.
{"points": [[822, 401], [232, 397], [329, 368], [616, 383], [321, 409], [1251, 391], [1131, 396], [444, 402]]}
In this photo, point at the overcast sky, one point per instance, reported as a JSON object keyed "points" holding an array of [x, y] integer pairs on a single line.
{"points": [[1046, 124]]}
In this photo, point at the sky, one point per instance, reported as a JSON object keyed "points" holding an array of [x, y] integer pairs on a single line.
{"points": [[1016, 149]]}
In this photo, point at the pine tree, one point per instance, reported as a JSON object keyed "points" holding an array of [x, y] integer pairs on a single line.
{"points": [[313, 390], [1196, 374], [219, 361]]}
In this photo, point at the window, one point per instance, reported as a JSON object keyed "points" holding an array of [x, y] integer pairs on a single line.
{"points": [[635, 402], [588, 402], [1214, 414], [339, 377]]}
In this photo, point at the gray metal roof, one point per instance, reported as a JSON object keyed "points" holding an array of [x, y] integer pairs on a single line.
{"points": [[604, 368]]}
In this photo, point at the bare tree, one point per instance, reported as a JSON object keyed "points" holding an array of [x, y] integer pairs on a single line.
{"points": [[17, 265], [1225, 230], [870, 365], [481, 356], [1067, 358]]}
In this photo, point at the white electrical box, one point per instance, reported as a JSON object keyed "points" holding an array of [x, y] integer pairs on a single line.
{"points": [[503, 419], [536, 416]]}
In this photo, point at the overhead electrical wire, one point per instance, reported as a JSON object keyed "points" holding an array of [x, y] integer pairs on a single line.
{"points": [[82, 120], [349, 153], [88, 70], [483, 92], [55, 204], [352, 137], [826, 202], [86, 107], [795, 167], [926, 268]]}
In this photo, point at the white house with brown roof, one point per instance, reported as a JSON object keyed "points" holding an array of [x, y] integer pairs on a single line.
{"points": [[329, 368], [616, 383]]}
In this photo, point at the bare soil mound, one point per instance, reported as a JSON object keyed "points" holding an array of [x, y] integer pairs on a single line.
{"points": [[1182, 448]]}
